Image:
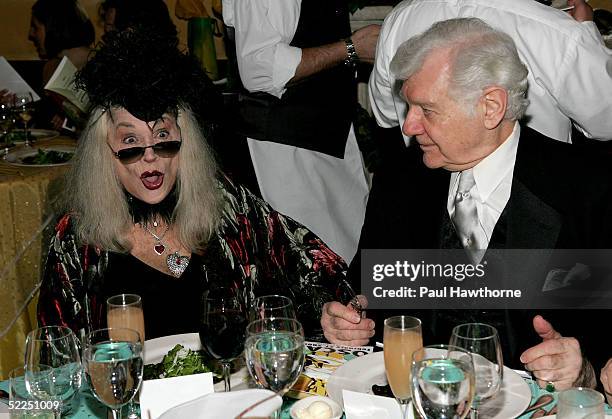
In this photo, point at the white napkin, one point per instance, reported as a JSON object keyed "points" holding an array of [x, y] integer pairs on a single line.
{"points": [[157, 396], [361, 405], [227, 405]]}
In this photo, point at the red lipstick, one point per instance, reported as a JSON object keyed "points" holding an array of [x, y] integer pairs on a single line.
{"points": [[152, 180]]}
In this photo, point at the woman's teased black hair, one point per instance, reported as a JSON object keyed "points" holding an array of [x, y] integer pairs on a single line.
{"points": [[143, 71]]}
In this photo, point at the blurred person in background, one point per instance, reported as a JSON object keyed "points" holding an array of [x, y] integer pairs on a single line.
{"points": [[58, 29], [123, 14]]}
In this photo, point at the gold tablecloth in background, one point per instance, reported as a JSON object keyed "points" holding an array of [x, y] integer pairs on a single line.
{"points": [[26, 195]]}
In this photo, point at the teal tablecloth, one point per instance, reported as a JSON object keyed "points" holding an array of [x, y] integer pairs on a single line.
{"points": [[88, 407]]}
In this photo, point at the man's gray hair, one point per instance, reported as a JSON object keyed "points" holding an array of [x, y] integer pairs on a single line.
{"points": [[482, 57]]}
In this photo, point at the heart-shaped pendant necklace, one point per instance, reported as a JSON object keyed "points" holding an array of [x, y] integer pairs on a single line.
{"points": [[159, 247], [177, 263]]}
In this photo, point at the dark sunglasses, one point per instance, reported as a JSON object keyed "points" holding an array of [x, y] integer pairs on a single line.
{"points": [[133, 154]]}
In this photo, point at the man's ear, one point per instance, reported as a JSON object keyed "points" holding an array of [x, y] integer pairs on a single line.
{"points": [[494, 101]]}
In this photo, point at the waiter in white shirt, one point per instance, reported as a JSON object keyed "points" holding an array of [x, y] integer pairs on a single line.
{"points": [[570, 69], [297, 63]]}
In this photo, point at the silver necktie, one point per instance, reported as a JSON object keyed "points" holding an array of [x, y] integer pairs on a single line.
{"points": [[465, 218]]}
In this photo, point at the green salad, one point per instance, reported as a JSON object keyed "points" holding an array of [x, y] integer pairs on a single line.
{"points": [[48, 157], [179, 361]]}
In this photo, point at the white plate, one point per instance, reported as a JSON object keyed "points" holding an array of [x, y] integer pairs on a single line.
{"points": [[36, 134], [361, 373], [16, 156], [156, 349]]}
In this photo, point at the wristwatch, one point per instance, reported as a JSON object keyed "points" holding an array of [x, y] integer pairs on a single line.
{"points": [[351, 55]]}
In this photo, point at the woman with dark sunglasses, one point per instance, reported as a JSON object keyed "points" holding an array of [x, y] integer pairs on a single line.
{"points": [[147, 212]]}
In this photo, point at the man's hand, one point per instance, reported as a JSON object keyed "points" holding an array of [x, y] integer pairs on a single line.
{"points": [[342, 325], [556, 359], [582, 11], [365, 42], [606, 380]]}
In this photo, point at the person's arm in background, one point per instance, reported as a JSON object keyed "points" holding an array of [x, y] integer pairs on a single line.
{"points": [[606, 380], [584, 81], [267, 63]]}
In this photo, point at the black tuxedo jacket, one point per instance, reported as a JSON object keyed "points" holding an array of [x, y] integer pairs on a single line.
{"points": [[561, 198]]}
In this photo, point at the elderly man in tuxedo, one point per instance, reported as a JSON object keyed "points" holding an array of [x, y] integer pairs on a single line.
{"points": [[486, 182]]}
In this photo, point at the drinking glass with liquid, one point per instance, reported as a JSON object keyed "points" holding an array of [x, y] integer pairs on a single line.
{"points": [[125, 311], [402, 337], [580, 403]]}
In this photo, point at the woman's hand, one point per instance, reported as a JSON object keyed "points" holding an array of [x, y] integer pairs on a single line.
{"points": [[557, 359], [342, 325]]}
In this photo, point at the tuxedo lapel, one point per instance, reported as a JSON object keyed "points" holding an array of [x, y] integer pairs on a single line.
{"points": [[531, 223]]}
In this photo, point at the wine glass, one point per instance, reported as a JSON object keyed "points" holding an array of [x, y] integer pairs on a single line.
{"points": [[6, 123], [21, 392], [113, 366], [56, 347], [402, 336], [482, 341], [222, 328], [23, 106], [580, 402], [268, 306], [274, 352], [125, 311], [443, 382]]}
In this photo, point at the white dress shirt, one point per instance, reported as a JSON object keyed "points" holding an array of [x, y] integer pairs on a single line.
{"points": [[570, 69], [493, 177], [266, 61]]}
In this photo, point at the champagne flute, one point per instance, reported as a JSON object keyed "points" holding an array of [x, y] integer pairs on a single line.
{"points": [[274, 352], [268, 306], [125, 311], [443, 382], [402, 336], [23, 106], [482, 341], [222, 328], [56, 347], [113, 366]]}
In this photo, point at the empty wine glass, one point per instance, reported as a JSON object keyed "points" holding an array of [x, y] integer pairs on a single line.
{"points": [[274, 352], [21, 392], [6, 124], [222, 328], [113, 366], [402, 336], [271, 306], [482, 341], [24, 108], [443, 382], [56, 347]]}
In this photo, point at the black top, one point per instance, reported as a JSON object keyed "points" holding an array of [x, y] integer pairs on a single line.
{"points": [[170, 304]]}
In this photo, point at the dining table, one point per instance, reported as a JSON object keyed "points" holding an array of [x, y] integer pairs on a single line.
{"points": [[543, 402], [27, 195]]}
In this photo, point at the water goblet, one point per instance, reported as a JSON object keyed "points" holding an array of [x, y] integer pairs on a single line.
{"points": [[222, 328], [58, 348], [482, 341], [22, 402], [274, 352], [580, 403], [443, 382], [113, 366], [402, 336], [268, 306]]}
